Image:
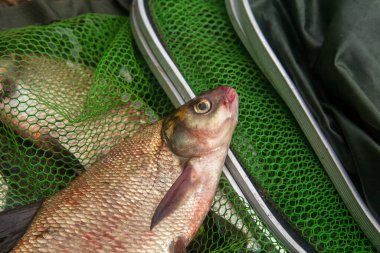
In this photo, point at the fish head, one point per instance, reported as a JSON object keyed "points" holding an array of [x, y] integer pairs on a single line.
{"points": [[202, 125]]}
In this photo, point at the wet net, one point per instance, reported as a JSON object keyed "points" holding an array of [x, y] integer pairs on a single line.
{"points": [[267, 141], [69, 91]]}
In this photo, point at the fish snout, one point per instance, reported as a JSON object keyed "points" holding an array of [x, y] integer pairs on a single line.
{"points": [[231, 100], [230, 94]]}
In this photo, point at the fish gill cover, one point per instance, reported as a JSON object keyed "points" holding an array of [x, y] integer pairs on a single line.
{"points": [[68, 92]]}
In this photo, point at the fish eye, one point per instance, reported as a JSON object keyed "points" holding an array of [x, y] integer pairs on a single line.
{"points": [[202, 106]]}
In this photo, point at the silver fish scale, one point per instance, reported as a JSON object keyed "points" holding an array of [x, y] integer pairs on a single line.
{"points": [[46, 102], [109, 208]]}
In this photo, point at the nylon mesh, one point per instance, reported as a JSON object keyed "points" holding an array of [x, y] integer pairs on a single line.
{"points": [[69, 91], [267, 141], [66, 100]]}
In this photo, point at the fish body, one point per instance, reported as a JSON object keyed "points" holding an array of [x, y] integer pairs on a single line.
{"points": [[148, 194], [41, 98]]}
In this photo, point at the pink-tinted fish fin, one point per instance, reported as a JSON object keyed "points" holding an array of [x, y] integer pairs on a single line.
{"points": [[178, 246], [174, 196]]}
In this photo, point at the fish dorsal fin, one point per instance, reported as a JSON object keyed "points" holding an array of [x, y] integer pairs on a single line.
{"points": [[177, 193]]}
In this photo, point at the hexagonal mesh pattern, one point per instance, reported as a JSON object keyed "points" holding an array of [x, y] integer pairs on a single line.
{"points": [[65, 99], [267, 141], [68, 92]]}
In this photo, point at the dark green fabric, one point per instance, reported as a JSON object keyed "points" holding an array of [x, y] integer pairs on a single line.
{"points": [[39, 12], [331, 51]]}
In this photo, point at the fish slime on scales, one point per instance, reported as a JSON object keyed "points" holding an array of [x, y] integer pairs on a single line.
{"points": [[150, 193]]}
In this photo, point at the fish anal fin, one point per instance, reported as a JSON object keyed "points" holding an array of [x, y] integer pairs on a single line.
{"points": [[176, 194]]}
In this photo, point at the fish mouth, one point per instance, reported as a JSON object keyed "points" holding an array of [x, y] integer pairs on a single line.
{"points": [[230, 93], [231, 100]]}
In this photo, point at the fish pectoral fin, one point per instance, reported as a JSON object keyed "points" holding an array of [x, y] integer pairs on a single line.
{"points": [[179, 246], [176, 194], [14, 223]]}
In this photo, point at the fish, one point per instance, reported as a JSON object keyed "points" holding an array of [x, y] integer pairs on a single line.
{"points": [[40, 102], [150, 193], [47, 123]]}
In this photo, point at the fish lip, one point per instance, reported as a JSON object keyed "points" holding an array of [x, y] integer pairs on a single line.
{"points": [[231, 100], [230, 93]]}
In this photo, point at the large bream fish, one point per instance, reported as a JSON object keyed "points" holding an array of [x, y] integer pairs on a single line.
{"points": [[148, 194]]}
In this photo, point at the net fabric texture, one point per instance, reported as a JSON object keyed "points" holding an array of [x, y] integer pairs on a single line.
{"points": [[267, 141], [62, 104], [68, 92]]}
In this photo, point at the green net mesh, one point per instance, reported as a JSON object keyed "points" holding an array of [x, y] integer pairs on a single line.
{"points": [[69, 91], [268, 141]]}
